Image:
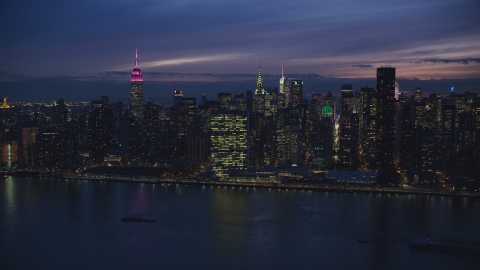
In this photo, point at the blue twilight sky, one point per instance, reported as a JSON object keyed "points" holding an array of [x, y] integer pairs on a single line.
{"points": [[76, 49]]}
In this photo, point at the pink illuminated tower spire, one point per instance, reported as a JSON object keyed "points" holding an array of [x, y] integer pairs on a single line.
{"points": [[136, 82], [136, 73]]}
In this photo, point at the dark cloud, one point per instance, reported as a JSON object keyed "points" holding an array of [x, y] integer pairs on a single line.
{"points": [[7, 76], [464, 61], [363, 66], [61, 37]]}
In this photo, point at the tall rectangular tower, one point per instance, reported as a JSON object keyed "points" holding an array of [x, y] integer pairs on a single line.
{"points": [[136, 84], [368, 123], [297, 92], [385, 129], [229, 141]]}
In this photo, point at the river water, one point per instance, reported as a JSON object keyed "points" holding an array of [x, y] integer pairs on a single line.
{"points": [[75, 224]]}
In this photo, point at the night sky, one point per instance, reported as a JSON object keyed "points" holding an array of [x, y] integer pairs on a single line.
{"points": [[53, 49]]}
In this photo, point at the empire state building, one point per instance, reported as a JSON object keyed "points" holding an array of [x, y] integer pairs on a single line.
{"points": [[136, 100]]}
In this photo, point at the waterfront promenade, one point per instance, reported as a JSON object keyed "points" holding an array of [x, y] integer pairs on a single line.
{"points": [[285, 186], [368, 189]]}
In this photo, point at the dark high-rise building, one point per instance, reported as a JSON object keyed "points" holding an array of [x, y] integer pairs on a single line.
{"points": [[297, 92], [198, 149], [257, 137], [418, 94], [188, 110], [295, 145], [385, 135], [282, 140], [50, 154], [249, 101], [177, 97], [72, 139], [406, 144], [240, 102], [424, 155], [316, 106], [348, 143], [419, 113], [368, 123], [152, 114], [347, 101], [100, 129], [305, 130], [29, 134], [136, 100], [223, 99]]}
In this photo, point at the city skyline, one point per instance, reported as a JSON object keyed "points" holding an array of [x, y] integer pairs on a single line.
{"points": [[63, 50], [420, 139]]}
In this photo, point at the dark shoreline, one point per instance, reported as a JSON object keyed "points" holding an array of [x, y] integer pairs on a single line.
{"points": [[282, 186]]}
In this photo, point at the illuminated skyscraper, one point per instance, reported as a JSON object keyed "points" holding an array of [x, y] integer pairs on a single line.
{"points": [[282, 139], [223, 99], [8, 153], [385, 135], [285, 90], [259, 94], [328, 108], [136, 100], [347, 132], [4, 104], [259, 89], [297, 92], [397, 90], [346, 100], [229, 141], [418, 94]]}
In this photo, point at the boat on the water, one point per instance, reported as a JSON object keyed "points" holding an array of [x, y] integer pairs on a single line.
{"points": [[136, 219], [454, 245]]}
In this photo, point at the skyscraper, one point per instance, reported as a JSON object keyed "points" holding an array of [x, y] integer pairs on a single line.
{"points": [[297, 92], [316, 106], [284, 89], [229, 141], [240, 102], [100, 129], [177, 97], [223, 99], [368, 123], [259, 94], [29, 134], [397, 90], [136, 100], [328, 108], [418, 94], [259, 89], [385, 135], [348, 132]]}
